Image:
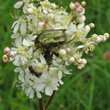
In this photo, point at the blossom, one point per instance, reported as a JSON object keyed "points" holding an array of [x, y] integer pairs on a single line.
{"points": [[36, 44]]}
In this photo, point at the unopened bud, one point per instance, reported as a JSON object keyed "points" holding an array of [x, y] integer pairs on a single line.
{"points": [[81, 14], [98, 39], [107, 56], [72, 59], [5, 58], [12, 54], [94, 35], [84, 61], [81, 19], [46, 22], [106, 35], [83, 3], [87, 27], [83, 66], [72, 6], [53, 5], [30, 10], [62, 52], [7, 50], [104, 39], [80, 61], [79, 67], [92, 25], [79, 9], [77, 4]]}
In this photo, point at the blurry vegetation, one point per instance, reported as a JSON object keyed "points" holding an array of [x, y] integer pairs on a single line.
{"points": [[88, 89]]}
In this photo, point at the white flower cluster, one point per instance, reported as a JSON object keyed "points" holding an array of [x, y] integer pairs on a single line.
{"points": [[41, 69]]}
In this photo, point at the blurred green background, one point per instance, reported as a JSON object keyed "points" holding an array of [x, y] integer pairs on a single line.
{"points": [[88, 89]]}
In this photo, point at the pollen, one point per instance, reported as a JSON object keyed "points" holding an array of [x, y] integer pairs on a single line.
{"points": [[92, 48], [48, 82], [36, 11], [45, 4]]}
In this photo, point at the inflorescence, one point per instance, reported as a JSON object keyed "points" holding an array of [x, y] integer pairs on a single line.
{"points": [[41, 67]]}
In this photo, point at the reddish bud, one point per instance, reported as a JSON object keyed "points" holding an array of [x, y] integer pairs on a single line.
{"points": [[5, 58], [106, 56], [46, 22]]}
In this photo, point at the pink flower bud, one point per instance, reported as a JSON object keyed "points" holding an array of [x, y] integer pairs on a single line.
{"points": [[12, 54], [46, 22], [83, 3], [92, 25], [98, 39], [7, 50], [106, 56], [79, 67], [104, 38], [79, 9], [83, 66], [5, 58], [77, 4]]}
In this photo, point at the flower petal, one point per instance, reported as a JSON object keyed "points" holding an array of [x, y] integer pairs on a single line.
{"points": [[18, 4], [16, 27], [31, 94], [18, 41], [18, 69], [16, 35], [23, 28], [41, 87], [48, 90], [80, 26], [38, 94]]}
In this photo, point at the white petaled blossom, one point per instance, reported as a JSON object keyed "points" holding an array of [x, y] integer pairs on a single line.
{"points": [[46, 40]]}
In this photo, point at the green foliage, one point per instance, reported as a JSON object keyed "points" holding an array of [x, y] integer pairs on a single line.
{"points": [[88, 89]]}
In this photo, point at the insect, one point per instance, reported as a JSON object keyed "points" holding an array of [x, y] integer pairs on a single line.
{"points": [[50, 40], [32, 70]]}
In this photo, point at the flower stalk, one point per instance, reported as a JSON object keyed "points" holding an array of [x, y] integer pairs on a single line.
{"points": [[49, 100], [40, 104], [74, 1]]}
